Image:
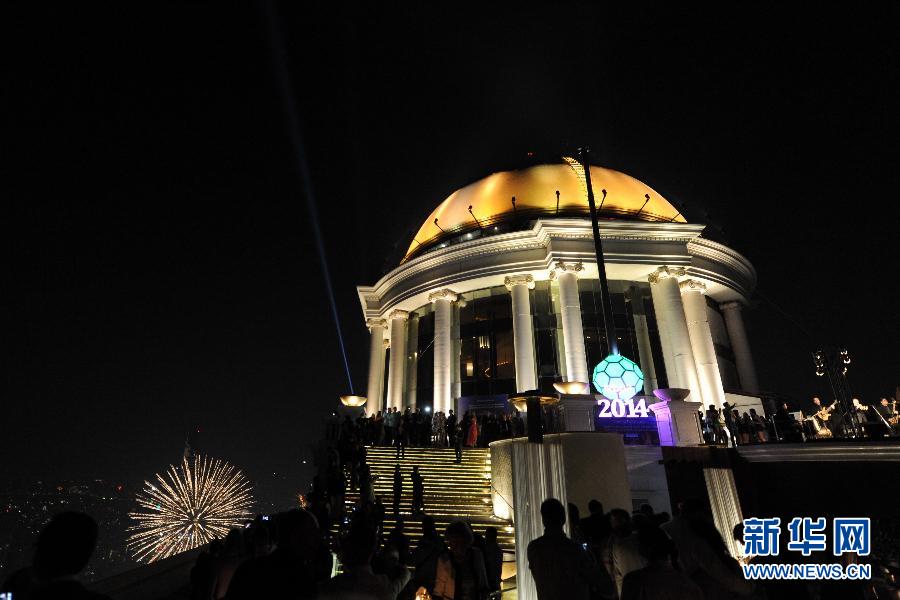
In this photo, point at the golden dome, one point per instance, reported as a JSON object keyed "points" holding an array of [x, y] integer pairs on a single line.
{"points": [[535, 190]]}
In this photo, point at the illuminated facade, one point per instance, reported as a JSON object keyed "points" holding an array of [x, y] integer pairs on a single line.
{"points": [[498, 293]]}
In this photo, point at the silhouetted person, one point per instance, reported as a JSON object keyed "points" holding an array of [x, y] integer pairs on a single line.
{"points": [[493, 559], [457, 444], [702, 553], [398, 489], [425, 556], [620, 551], [357, 580], [366, 484], [595, 526], [225, 565], [575, 524], [203, 571], [400, 541], [715, 422], [730, 423], [378, 513], [63, 550], [460, 570], [401, 440], [258, 539], [659, 580], [293, 569], [562, 569], [451, 424], [418, 499]]}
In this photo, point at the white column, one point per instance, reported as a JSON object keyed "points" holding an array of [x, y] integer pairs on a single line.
{"points": [[677, 354], [570, 312], [737, 335], [456, 350], [375, 390], [642, 333], [397, 373], [523, 331], [443, 348], [412, 358], [692, 294]]}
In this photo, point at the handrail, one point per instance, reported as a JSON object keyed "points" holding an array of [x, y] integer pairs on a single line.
{"points": [[501, 497]]}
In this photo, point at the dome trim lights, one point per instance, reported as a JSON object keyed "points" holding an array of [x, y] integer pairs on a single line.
{"points": [[542, 191]]}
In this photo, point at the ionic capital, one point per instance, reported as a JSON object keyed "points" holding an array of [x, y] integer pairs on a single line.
{"points": [[514, 280], [663, 272], [444, 294], [729, 306], [387, 343], [560, 267], [692, 285], [372, 323], [398, 314]]}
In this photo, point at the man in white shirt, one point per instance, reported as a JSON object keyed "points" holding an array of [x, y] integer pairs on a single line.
{"points": [[358, 582]]}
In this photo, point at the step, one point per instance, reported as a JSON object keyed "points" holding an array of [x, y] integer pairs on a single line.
{"points": [[453, 491]]}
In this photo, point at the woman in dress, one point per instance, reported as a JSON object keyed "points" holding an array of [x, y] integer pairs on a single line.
{"points": [[437, 424], [442, 432], [472, 437]]}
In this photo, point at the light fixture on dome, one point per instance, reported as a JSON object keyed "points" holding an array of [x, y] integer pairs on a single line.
{"points": [[647, 196], [354, 401], [477, 222]]}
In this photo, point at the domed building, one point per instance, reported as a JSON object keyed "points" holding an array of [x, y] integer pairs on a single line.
{"points": [[499, 293]]}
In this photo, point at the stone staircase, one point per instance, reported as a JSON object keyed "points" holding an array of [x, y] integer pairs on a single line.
{"points": [[452, 491]]}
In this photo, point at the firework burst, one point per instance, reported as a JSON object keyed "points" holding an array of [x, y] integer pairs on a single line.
{"points": [[189, 506]]}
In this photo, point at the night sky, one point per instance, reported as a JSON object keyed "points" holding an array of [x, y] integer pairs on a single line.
{"points": [[160, 266]]}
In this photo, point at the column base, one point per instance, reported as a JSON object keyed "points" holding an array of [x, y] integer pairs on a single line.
{"points": [[677, 423], [576, 412]]}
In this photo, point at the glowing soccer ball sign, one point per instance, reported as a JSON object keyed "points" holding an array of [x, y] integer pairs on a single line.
{"points": [[618, 378]]}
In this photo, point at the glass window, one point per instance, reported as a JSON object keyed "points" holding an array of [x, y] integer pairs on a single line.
{"points": [[487, 353], [424, 358], [546, 352], [540, 299], [466, 309], [482, 305], [505, 355]]}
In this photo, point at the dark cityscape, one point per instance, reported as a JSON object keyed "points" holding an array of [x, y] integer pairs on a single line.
{"points": [[268, 262]]}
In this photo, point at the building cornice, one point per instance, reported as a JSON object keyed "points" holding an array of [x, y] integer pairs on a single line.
{"points": [[631, 245], [722, 254]]}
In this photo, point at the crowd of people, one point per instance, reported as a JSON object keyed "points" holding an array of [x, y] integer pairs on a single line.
{"points": [[646, 556], [421, 428], [732, 427], [615, 555]]}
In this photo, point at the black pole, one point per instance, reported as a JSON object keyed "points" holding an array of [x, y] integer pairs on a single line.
{"points": [[609, 324]]}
